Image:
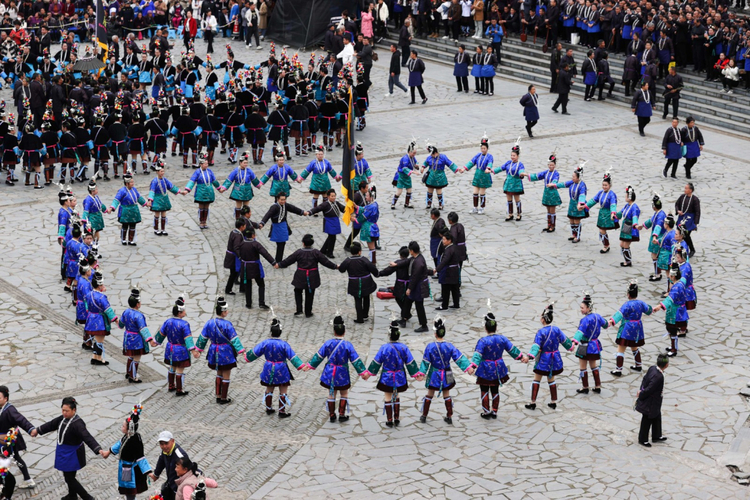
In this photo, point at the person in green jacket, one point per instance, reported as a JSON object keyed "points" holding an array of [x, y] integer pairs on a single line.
{"points": [[158, 196], [320, 168], [204, 181], [243, 179]]}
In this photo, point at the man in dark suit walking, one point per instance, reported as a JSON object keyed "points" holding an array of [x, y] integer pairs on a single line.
{"points": [[649, 402]]}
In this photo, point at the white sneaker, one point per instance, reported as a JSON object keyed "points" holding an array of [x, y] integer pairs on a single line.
{"points": [[445, 38], [389, 95], [481, 211], [262, 38], [473, 210], [730, 91], [247, 45], [27, 484], [258, 47]]}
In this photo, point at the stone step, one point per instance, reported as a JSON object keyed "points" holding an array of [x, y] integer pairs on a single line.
{"points": [[519, 69]]}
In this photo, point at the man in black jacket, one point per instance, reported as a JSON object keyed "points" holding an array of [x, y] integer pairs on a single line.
{"points": [[449, 273], [395, 71], [404, 41], [649, 402], [672, 87], [554, 66], [605, 77], [419, 285], [57, 96], [564, 82], [170, 453], [38, 98]]}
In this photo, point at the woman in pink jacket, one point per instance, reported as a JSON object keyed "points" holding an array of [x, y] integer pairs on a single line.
{"points": [[367, 19], [189, 479]]}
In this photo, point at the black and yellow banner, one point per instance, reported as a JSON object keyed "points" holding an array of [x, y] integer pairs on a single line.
{"points": [[347, 164], [101, 31]]}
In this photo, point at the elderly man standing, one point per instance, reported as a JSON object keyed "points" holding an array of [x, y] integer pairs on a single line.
{"points": [[170, 453], [404, 42], [649, 401]]}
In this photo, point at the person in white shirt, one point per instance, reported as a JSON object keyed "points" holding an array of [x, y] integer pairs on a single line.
{"points": [[208, 25], [196, 6], [346, 55], [730, 77]]}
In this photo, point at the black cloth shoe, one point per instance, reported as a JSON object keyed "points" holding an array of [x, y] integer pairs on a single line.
{"points": [[421, 329], [646, 444]]}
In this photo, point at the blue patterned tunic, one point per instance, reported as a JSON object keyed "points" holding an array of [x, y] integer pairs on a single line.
{"points": [[224, 343], [607, 201], [436, 167], [100, 314], [83, 291], [630, 315], [577, 192], [340, 353], [403, 173], [179, 340], [513, 181], [550, 196], [275, 370], [481, 179], [393, 357], [546, 350], [137, 334], [488, 357], [656, 224], [589, 329], [436, 365], [675, 303]]}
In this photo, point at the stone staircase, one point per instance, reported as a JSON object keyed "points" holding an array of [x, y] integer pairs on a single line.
{"points": [[525, 62]]}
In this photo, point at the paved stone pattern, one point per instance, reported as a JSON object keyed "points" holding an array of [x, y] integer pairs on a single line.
{"points": [[585, 448]]}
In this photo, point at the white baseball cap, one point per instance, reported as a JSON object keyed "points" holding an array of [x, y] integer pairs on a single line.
{"points": [[165, 437]]}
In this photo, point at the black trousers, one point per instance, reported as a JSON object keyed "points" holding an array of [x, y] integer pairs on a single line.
{"points": [[448, 290], [589, 92], [168, 493], [232, 278], [699, 57], [670, 98], [689, 163], [251, 31], [642, 122], [405, 53], [479, 86], [654, 424], [261, 291], [280, 250], [309, 298], [601, 88], [562, 100], [689, 236], [208, 35], [421, 93], [362, 306], [418, 305], [328, 246], [455, 29], [21, 466], [489, 85], [462, 82], [553, 80], [367, 68], [74, 487]]}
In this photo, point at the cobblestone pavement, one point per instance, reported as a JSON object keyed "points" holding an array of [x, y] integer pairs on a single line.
{"points": [[585, 448]]}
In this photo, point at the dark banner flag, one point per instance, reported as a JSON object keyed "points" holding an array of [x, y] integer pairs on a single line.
{"points": [[101, 31], [347, 164]]}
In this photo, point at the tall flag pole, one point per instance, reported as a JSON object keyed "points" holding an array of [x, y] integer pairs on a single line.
{"points": [[347, 165], [101, 31]]}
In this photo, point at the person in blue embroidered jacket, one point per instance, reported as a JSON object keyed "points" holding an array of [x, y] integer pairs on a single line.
{"points": [[489, 367], [676, 318], [629, 229], [665, 246], [607, 200], [204, 182], [73, 248], [100, 318], [393, 357], [402, 178], [513, 185], [279, 175], [176, 330], [590, 348], [436, 180], [93, 209], [482, 175], [137, 336], [63, 223], [83, 290], [275, 370], [630, 333], [550, 196], [686, 270], [133, 468], [546, 350], [656, 224], [225, 347], [126, 203], [436, 369], [335, 376]]}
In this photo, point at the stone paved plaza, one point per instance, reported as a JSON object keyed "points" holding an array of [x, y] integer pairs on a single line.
{"points": [[585, 448]]}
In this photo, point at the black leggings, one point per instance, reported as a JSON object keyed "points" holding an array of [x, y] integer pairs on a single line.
{"points": [[21, 466], [329, 245], [642, 122], [362, 306], [280, 250], [9, 485], [479, 85], [489, 85], [689, 163], [689, 240], [489, 388], [462, 82], [309, 298], [673, 164], [74, 487], [421, 93]]}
